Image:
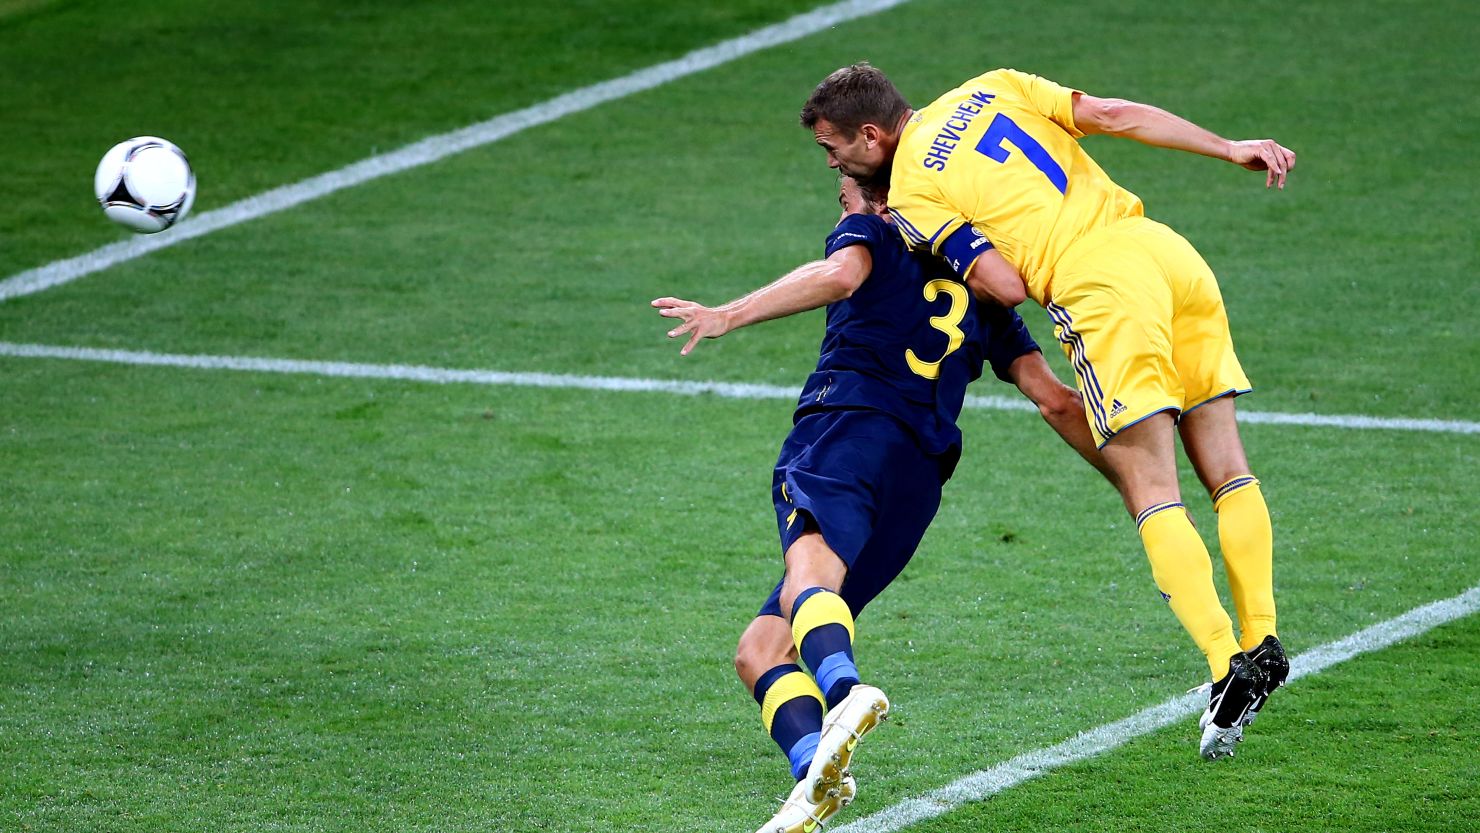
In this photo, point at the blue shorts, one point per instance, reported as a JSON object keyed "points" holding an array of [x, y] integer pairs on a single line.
{"points": [[861, 479]]}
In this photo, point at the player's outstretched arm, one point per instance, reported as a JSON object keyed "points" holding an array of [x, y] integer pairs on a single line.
{"points": [[1155, 126], [1060, 406], [814, 285]]}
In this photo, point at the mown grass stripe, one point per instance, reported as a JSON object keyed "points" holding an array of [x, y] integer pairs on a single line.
{"points": [[988, 782], [440, 146], [731, 390]]}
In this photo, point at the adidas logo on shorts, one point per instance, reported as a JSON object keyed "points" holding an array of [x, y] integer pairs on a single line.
{"points": [[1116, 408]]}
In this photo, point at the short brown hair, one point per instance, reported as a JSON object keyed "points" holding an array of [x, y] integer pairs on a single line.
{"points": [[876, 193], [852, 97]]}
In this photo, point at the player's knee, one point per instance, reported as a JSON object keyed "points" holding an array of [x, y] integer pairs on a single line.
{"points": [[1063, 403], [764, 645], [744, 661], [747, 658]]}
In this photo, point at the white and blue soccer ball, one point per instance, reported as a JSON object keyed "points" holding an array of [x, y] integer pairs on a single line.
{"points": [[145, 184]]}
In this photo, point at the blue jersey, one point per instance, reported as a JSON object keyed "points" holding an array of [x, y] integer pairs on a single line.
{"points": [[909, 340]]}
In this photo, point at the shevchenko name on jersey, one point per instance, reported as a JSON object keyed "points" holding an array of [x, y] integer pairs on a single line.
{"points": [[998, 157]]}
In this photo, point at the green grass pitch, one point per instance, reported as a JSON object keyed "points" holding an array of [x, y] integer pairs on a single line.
{"points": [[256, 602]]}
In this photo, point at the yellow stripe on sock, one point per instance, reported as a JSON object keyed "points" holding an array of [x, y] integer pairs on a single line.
{"points": [[820, 609], [788, 688]]}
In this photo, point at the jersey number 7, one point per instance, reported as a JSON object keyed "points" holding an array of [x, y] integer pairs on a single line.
{"points": [[1003, 129]]}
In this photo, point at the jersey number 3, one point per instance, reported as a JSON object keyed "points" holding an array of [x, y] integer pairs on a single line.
{"points": [[950, 324], [1003, 129]]}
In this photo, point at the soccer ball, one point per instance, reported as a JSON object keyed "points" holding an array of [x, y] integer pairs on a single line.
{"points": [[145, 184]]}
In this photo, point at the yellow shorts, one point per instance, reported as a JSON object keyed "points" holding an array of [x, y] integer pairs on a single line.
{"points": [[1139, 315]]}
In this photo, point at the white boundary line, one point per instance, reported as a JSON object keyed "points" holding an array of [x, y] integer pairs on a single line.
{"points": [[731, 390], [988, 782], [441, 146]]}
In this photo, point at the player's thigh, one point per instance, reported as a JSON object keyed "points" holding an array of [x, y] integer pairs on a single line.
{"points": [[828, 477], [1112, 315]]}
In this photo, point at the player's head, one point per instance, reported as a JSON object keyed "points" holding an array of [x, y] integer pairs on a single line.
{"points": [[856, 198], [856, 115]]}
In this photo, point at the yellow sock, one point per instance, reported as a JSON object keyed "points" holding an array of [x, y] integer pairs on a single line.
{"points": [[1183, 571], [1247, 540]]}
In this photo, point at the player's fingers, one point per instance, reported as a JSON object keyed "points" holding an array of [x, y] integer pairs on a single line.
{"points": [[1279, 163], [1275, 165], [1289, 159], [675, 306], [681, 329], [693, 340]]}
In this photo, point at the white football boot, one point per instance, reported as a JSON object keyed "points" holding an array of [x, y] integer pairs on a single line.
{"points": [[799, 814], [848, 721]]}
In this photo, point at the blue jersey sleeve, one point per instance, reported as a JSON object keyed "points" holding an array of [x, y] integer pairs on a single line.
{"points": [[856, 230], [1006, 337], [963, 247]]}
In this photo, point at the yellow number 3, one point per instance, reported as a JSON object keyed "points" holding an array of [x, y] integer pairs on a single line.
{"points": [[950, 324]]}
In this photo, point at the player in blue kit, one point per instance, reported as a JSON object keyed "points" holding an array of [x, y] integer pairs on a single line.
{"points": [[859, 477]]}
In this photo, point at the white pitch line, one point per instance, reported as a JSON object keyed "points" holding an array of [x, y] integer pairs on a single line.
{"points": [[441, 146], [988, 782], [730, 390]]}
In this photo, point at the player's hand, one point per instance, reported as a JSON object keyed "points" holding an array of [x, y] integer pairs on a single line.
{"points": [[698, 321], [1264, 155]]}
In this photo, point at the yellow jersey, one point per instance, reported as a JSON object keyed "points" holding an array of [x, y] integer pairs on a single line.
{"points": [[996, 162]]}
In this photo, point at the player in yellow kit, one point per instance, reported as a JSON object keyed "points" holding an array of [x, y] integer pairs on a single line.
{"points": [[996, 163]]}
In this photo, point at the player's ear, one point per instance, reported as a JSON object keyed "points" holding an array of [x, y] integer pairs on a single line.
{"points": [[871, 134]]}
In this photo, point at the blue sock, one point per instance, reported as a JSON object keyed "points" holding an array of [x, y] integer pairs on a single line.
{"points": [[822, 627]]}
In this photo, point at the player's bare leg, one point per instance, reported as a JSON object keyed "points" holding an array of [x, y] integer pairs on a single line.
{"points": [[810, 562], [1210, 436], [765, 644], [1143, 457], [822, 628]]}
